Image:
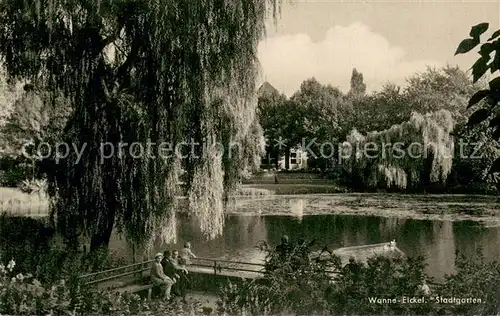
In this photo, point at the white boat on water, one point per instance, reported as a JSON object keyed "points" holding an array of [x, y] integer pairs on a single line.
{"points": [[364, 252]]}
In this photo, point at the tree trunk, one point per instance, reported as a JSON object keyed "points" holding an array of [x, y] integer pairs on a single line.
{"points": [[33, 169], [102, 237], [133, 254], [287, 158], [278, 159], [425, 180], [409, 180]]}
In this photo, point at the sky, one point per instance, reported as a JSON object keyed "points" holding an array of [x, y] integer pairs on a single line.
{"points": [[386, 41]]}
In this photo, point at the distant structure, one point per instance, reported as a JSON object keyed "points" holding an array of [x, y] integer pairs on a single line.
{"points": [[297, 158], [266, 89]]}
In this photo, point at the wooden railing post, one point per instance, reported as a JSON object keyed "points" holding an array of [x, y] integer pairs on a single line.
{"points": [[215, 267], [133, 253], [145, 265]]}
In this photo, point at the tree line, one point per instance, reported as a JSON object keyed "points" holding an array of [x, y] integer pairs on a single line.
{"points": [[432, 108]]}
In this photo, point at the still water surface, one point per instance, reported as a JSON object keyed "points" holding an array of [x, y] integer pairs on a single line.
{"points": [[436, 240]]}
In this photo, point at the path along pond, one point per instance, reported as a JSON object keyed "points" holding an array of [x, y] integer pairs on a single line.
{"points": [[434, 226]]}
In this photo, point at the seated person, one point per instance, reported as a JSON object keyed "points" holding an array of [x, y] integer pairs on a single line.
{"points": [[159, 278], [186, 253], [175, 260], [172, 268]]}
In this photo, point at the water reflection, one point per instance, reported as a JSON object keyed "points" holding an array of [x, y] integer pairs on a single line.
{"points": [[436, 240], [297, 208]]}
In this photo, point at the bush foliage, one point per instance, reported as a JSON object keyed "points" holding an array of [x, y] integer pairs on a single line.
{"points": [[24, 295], [297, 284]]}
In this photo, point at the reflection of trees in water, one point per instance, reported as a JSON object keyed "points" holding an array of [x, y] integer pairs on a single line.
{"points": [[242, 236], [436, 240], [442, 254], [469, 236], [466, 237], [389, 226], [492, 249], [246, 231], [297, 208], [333, 231], [415, 236], [359, 230]]}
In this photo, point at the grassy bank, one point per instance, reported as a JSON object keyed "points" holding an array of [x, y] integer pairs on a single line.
{"points": [[291, 188], [301, 182], [479, 208], [15, 202]]}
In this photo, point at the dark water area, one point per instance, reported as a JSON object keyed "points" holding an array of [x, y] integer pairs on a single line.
{"points": [[437, 241]]}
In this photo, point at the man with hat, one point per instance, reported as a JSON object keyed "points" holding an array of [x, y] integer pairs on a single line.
{"points": [[158, 277]]}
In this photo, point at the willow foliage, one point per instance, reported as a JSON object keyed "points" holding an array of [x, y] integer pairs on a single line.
{"points": [[417, 151], [141, 71]]}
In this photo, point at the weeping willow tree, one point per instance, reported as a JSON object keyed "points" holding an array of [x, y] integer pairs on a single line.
{"points": [[141, 71], [7, 96], [416, 152]]}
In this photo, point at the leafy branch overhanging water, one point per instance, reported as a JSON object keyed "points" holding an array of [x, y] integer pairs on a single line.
{"points": [[139, 71]]}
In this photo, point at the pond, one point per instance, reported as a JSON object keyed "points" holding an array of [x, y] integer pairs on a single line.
{"points": [[251, 222]]}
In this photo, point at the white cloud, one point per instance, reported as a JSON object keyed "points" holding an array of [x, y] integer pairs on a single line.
{"points": [[288, 60]]}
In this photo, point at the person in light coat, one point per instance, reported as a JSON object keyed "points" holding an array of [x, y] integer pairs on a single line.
{"points": [[158, 277]]}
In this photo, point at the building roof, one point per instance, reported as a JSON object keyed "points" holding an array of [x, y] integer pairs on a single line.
{"points": [[266, 89]]}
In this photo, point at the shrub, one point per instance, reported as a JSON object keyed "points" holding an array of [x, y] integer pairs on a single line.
{"points": [[34, 186], [298, 284], [25, 238], [13, 171], [475, 278], [292, 284], [33, 243], [24, 295]]}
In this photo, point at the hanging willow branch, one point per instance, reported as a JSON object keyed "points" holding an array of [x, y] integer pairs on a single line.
{"points": [[141, 71], [411, 153]]}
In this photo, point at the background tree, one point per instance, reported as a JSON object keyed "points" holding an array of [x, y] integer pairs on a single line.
{"points": [[447, 88], [12, 169], [32, 121], [358, 87], [271, 113], [293, 124], [390, 159], [324, 110], [140, 71], [450, 88], [378, 111], [8, 94], [284, 123]]}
